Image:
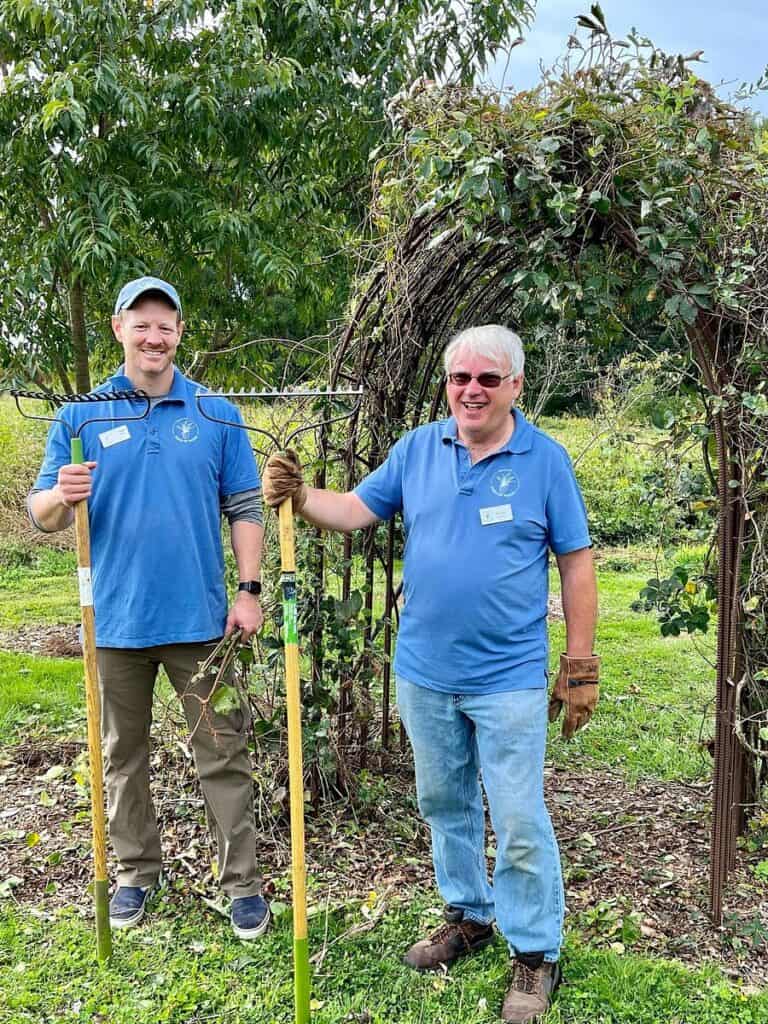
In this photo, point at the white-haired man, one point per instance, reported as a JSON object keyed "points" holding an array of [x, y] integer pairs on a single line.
{"points": [[484, 496]]}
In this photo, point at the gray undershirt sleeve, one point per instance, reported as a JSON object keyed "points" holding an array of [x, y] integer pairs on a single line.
{"points": [[245, 506]]}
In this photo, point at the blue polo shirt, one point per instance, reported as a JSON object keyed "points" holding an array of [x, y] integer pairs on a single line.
{"points": [[475, 565], [156, 550]]}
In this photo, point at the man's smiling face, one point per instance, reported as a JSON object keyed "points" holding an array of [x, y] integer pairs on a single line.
{"points": [[481, 413], [149, 332]]}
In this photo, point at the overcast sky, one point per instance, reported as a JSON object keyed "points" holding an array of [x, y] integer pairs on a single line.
{"points": [[733, 35]]}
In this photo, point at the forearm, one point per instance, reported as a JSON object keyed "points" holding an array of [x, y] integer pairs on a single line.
{"points": [[245, 612], [247, 542], [50, 511], [331, 510], [579, 597]]}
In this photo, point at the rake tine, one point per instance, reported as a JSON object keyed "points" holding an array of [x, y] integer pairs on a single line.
{"points": [[89, 398]]}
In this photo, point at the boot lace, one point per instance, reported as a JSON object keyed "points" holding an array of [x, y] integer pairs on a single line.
{"points": [[448, 930], [525, 978]]}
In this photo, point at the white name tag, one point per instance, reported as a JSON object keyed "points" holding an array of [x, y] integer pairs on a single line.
{"points": [[496, 514], [114, 436]]}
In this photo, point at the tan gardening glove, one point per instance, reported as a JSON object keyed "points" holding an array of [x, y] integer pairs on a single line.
{"points": [[282, 479], [577, 688]]}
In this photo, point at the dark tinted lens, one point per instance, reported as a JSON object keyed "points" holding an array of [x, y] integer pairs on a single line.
{"points": [[485, 380]]}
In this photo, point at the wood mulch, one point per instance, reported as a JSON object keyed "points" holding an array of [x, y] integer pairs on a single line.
{"points": [[61, 641], [635, 859]]}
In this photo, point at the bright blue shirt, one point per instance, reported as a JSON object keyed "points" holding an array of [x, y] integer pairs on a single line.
{"points": [[156, 551], [474, 619]]}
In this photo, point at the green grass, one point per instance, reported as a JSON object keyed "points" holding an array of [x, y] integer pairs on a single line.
{"points": [[22, 443], [657, 692], [51, 601], [47, 691], [37, 586], [184, 967]]}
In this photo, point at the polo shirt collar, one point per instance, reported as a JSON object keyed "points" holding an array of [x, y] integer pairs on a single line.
{"points": [[521, 440], [178, 392]]}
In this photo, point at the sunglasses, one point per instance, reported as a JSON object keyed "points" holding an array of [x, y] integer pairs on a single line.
{"points": [[485, 380]]}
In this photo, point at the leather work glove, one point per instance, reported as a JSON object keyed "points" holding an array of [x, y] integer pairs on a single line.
{"points": [[577, 688], [282, 479]]}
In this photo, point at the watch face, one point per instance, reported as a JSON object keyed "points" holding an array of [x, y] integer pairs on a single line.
{"points": [[251, 586]]}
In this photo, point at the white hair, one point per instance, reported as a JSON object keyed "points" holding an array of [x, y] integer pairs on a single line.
{"points": [[491, 340]]}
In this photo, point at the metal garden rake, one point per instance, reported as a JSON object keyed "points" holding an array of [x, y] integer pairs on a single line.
{"points": [[292, 687]]}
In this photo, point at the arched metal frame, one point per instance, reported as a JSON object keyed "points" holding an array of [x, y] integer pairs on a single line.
{"points": [[392, 347]]}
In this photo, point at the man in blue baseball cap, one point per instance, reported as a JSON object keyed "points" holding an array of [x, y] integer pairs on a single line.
{"points": [[156, 489]]}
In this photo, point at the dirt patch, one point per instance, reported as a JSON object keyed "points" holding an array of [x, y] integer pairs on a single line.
{"points": [[635, 859], [51, 641], [636, 867], [17, 530]]}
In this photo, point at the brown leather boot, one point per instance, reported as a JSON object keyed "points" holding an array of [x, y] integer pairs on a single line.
{"points": [[530, 993], [453, 939]]}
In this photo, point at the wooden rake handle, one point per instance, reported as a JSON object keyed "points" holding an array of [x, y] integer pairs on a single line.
{"points": [[93, 716], [295, 763]]}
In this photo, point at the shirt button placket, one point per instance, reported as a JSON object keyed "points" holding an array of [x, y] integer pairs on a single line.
{"points": [[465, 470]]}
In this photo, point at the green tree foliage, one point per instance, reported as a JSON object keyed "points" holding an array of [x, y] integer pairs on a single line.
{"points": [[222, 144]]}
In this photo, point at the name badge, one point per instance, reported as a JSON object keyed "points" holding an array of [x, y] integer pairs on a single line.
{"points": [[496, 514], [114, 436]]}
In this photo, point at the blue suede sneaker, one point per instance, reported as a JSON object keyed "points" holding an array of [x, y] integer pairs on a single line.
{"points": [[250, 917], [127, 906]]}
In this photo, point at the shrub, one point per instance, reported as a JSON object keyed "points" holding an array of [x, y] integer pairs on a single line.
{"points": [[631, 491]]}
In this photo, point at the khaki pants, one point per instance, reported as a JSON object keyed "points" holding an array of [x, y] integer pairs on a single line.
{"points": [[221, 755]]}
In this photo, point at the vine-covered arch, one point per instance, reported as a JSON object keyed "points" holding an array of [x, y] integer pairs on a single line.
{"points": [[620, 205]]}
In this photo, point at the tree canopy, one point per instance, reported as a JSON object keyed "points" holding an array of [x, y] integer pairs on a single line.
{"points": [[223, 145]]}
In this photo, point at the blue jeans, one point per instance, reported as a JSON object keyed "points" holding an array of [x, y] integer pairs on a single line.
{"points": [[456, 739]]}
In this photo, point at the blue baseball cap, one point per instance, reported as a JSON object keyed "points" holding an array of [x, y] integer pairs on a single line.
{"points": [[131, 291]]}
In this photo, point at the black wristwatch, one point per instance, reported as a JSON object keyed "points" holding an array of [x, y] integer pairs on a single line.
{"points": [[250, 586]]}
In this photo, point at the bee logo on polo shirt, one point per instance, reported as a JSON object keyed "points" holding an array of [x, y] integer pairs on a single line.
{"points": [[186, 430], [504, 483]]}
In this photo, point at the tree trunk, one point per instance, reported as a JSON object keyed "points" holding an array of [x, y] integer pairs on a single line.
{"points": [[79, 337], [61, 371]]}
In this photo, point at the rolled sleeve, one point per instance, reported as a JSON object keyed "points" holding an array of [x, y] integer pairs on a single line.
{"points": [[382, 490], [566, 513]]}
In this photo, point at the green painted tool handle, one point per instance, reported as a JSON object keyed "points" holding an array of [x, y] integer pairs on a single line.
{"points": [[301, 980], [93, 716]]}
